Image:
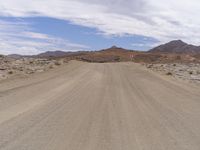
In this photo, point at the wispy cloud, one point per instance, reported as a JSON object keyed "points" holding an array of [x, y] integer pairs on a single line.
{"points": [[18, 37], [35, 35], [160, 19]]}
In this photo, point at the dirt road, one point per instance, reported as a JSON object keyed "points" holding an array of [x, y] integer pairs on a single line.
{"points": [[83, 106]]}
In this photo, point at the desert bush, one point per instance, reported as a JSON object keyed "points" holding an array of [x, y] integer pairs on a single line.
{"points": [[10, 72], [65, 61], [31, 62], [169, 74], [190, 72], [51, 66], [58, 63], [150, 66]]}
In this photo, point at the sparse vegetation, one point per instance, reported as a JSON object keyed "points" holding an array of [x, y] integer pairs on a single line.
{"points": [[150, 66], [31, 62], [10, 72], [25, 66], [169, 74], [51, 66], [58, 63], [185, 71], [190, 72]]}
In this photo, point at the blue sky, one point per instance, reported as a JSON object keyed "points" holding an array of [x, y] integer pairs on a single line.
{"points": [[90, 37], [87, 38], [31, 27]]}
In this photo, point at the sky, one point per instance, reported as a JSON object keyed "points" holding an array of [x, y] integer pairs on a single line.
{"points": [[34, 26]]}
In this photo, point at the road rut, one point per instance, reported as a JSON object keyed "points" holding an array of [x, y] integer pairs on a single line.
{"points": [[86, 106]]}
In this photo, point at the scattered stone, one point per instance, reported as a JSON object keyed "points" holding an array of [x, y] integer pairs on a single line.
{"points": [[25, 66], [190, 72]]}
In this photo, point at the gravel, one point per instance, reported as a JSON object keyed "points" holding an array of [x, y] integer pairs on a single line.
{"points": [[189, 72], [10, 67]]}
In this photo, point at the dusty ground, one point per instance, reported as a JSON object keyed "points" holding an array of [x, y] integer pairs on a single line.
{"points": [[82, 106], [185, 71]]}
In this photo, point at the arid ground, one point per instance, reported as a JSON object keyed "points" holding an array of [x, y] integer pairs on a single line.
{"points": [[90, 106]]}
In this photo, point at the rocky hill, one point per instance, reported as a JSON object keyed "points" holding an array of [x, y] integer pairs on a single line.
{"points": [[112, 54], [174, 51], [54, 54], [177, 46]]}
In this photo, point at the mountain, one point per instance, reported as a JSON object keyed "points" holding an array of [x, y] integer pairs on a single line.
{"points": [[178, 47], [115, 49], [15, 56], [54, 54], [112, 54]]}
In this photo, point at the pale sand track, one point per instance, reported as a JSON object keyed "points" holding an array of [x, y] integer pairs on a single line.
{"points": [[83, 106]]}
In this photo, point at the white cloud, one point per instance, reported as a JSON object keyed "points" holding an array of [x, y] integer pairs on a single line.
{"points": [[19, 38], [35, 35], [164, 20], [142, 45]]}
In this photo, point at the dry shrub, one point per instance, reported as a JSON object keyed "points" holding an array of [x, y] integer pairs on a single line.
{"points": [[10, 72], [169, 74], [190, 72], [58, 63], [51, 66]]}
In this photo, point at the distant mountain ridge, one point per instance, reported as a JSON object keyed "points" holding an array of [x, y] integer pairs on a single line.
{"points": [[116, 49], [54, 54], [174, 51], [15, 56], [176, 46]]}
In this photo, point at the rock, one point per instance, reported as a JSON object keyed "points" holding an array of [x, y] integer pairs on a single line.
{"points": [[190, 72], [26, 66]]}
